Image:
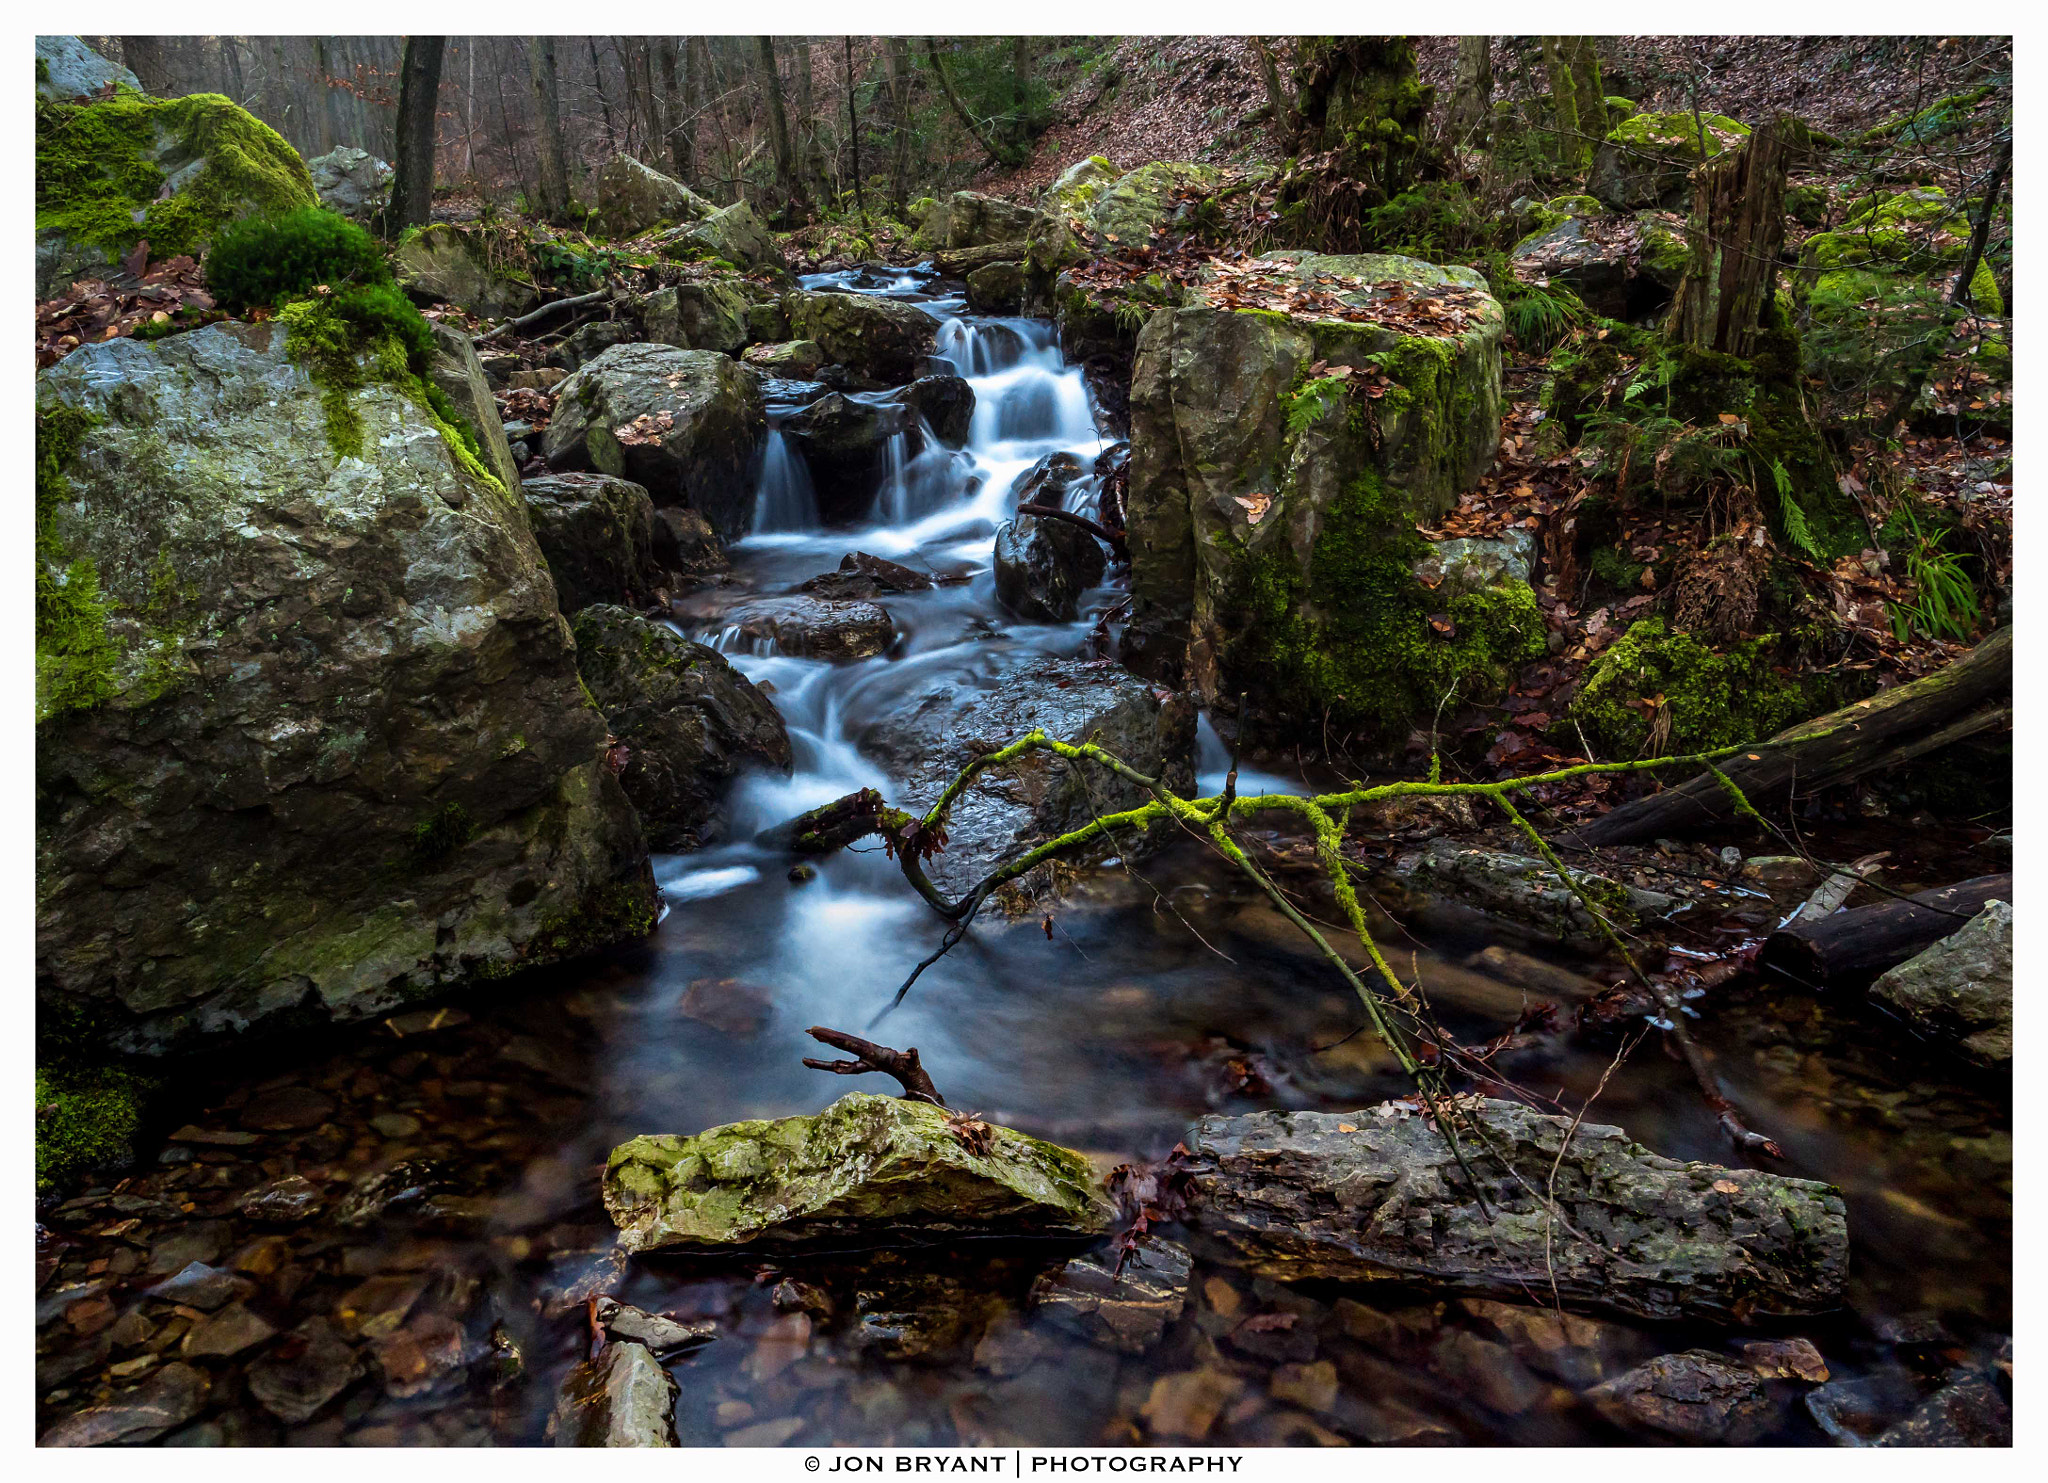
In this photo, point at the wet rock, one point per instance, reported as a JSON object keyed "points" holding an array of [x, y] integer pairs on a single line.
{"points": [[786, 360], [1786, 1359], [1047, 481], [72, 1357], [1577, 1350], [1275, 1337], [597, 533], [690, 420], [301, 1373], [623, 1398], [684, 542], [350, 181], [201, 1286], [396, 1125], [221, 1138], [420, 1356], [225, 1334], [945, 403], [1312, 1387], [844, 442], [200, 1241], [282, 1202], [728, 1004], [401, 1189], [882, 342], [711, 315], [287, 1109], [814, 629], [1486, 1371], [374, 1308], [443, 263], [575, 1279], [660, 1333], [781, 1344], [1969, 1413], [997, 288], [66, 68], [171, 1397], [632, 198], [1009, 1348], [1856, 1410], [1127, 1311], [1524, 889], [304, 575], [928, 744], [865, 1168], [689, 722], [735, 233], [863, 578], [1961, 988], [1696, 1396], [792, 1296], [923, 1317], [1677, 1239], [1185, 1406], [1044, 566]]}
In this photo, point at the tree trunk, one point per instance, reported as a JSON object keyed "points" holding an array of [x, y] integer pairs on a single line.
{"points": [[860, 200], [1958, 700], [1469, 119], [146, 58], [678, 110], [553, 195], [980, 135], [1020, 82], [899, 102], [778, 122], [1564, 102], [1736, 229], [1278, 101], [611, 138], [1590, 101], [419, 89], [231, 55], [810, 163], [1870, 939]]}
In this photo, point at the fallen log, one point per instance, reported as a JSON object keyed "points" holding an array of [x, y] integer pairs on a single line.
{"points": [[1970, 695], [1871, 939], [545, 311]]}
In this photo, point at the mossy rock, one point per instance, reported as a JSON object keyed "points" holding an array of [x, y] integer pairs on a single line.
{"points": [[1079, 187], [633, 198], [1646, 159], [711, 314], [866, 1170], [174, 171], [443, 263], [86, 1118], [1862, 327], [1148, 196], [1706, 698], [1911, 232], [883, 342]]}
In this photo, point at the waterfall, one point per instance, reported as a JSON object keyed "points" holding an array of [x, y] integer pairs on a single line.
{"points": [[786, 501]]}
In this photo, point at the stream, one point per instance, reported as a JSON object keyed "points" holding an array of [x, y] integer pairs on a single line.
{"points": [[1166, 990]]}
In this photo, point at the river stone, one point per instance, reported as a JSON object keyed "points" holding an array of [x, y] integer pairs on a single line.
{"points": [[200, 1286], [631, 198], [711, 315], [863, 578], [945, 403], [283, 1202], [346, 761], [1127, 1311], [171, 1397], [1003, 810], [1301, 607], [786, 360], [1968, 1413], [287, 1109], [997, 288], [844, 442], [735, 234], [812, 628], [460, 375], [881, 342], [442, 263], [974, 219], [294, 1379], [867, 1168], [350, 181], [1525, 889], [659, 1332], [1961, 988], [225, 1334], [1295, 1197], [67, 68], [689, 721], [1043, 567], [1697, 1396], [597, 533], [699, 444]]}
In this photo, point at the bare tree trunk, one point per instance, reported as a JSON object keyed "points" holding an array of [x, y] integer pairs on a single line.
{"points": [[1564, 100], [853, 133], [283, 107], [1736, 229], [231, 54], [419, 89], [1470, 117], [611, 138], [1591, 101], [980, 135], [332, 124], [552, 201], [778, 122], [1277, 98], [681, 125], [469, 112], [899, 102], [810, 161], [1020, 83], [145, 57]]}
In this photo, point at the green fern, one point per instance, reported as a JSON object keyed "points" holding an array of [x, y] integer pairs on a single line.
{"points": [[1797, 531]]}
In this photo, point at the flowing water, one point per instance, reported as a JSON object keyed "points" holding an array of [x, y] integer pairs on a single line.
{"points": [[1166, 992]]}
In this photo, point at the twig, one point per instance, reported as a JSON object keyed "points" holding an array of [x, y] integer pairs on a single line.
{"points": [[545, 311], [901, 1064]]}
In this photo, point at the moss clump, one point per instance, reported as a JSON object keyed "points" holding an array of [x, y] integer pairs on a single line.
{"points": [[1435, 221], [85, 1119], [1679, 134], [75, 653], [442, 833], [100, 171], [1652, 679], [1912, 231], [265, 261]]}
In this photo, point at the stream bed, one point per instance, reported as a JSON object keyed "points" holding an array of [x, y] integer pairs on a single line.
{"points": [[419, 1268]]}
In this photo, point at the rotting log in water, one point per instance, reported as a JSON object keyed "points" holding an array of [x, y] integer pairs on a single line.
{"points": [[1972, 694], [902, 1064], [1871, 939]]}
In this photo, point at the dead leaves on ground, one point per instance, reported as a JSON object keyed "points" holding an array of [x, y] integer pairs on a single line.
{"points": [[135, 294]]}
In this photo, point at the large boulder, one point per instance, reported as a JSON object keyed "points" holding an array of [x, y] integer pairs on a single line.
{"points": [[686, 424], [882, 342], [1128, 209], [711, 315], [867, 1169], [1580, 1214], [812, 627], [844, 442], [735, 234], [66, 68], [597, 533], [1621, 267], [1646, 160], [1043, 566], [350, 181], [690, 722], [631, 198], [173, 171], [457, 371], [926, 746], [975, 220], [1078, 187], [311, 743], [442, 263], [1961, 988], [1280, 462]]}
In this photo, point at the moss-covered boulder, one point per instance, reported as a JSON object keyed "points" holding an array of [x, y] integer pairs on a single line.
{"points": [[1147, 197], [690, 723], [786, 360], [707, 315], [457, 371], [1279, 466], [1620, 267], [686, 424], [867, 1169], [443, 263], [1645, 160], [883, 342], [110, 174], [86, 1117], [310, 739], [975, 220], [1656, 691], [1078, 187], [1913, 231], [598, 535], [734, 234], [997, 288], [66, 68], [633, 198]]}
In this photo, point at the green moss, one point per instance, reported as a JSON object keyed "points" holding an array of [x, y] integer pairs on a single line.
{"points": [[75, 653], [1678, 133], [85, 1119], [442, 833], [1612, 565], [98, 181], [1807, 204], [1713, 699]]}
